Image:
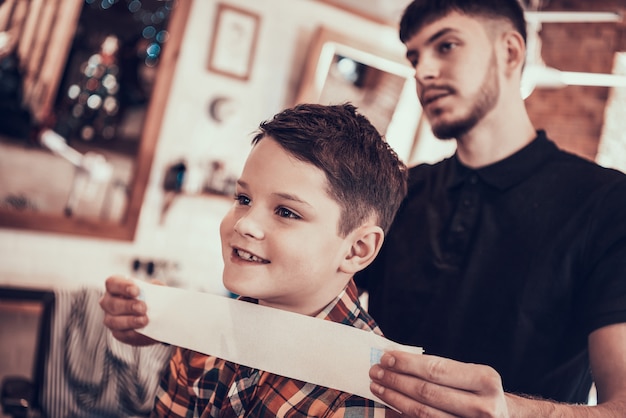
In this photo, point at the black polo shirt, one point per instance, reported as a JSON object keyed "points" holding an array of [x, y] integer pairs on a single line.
{"points": [[510, 265]]}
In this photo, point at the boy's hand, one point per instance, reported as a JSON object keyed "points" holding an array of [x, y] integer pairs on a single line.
{"points": [[123, 312]]}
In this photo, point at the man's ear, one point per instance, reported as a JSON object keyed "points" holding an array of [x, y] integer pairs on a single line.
{"points": [[366, 243], [514, 52]]}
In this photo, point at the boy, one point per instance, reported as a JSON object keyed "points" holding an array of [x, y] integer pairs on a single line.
{"points": [[315, 198]]}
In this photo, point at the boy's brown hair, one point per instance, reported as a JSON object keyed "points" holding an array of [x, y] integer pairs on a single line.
{"points": [[365, 175]]}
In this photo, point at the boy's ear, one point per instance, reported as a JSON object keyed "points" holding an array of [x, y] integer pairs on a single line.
{"points": [[366, 244]]}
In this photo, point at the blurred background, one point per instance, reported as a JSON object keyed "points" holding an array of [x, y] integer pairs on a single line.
{"points": [[124, 123]]}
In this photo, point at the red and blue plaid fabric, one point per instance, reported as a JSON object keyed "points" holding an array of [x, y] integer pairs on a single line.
{"points": [[197, 385]]}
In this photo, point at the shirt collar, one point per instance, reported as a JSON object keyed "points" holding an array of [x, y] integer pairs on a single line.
{"points": [[344, 309], [509, 171]]}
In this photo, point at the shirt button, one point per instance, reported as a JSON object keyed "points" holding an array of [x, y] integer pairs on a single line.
{"points": [[473, 179]]}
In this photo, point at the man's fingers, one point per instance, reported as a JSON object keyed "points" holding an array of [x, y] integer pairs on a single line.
{"points": [[411, 395], [416, 397], [422, 385], [445, 372], [407, 406]]}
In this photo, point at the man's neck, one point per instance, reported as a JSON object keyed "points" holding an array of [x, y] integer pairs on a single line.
{"points": [[498, 135]]}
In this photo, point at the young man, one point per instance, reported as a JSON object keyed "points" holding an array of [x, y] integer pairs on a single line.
{"points": [[316, 195], [507, 261]]}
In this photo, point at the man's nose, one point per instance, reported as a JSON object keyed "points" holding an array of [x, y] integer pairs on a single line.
{"points": [[426, 70]]}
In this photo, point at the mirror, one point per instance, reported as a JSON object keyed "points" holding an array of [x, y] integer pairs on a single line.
{"points": [[379, 83], [83, 89]]}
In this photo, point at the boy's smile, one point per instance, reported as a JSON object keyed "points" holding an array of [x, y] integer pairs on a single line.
{"points": [[280, 240], [248, 257]]}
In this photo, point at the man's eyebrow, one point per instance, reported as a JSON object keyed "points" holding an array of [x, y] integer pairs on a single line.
{"points": [[439, 34], [412, 53]]}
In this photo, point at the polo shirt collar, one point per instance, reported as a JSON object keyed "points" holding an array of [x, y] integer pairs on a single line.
{"points": [[510, 171]]}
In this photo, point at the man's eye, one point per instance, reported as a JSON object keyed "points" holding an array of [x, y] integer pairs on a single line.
{"points": [[286, 213], [413, 59], [446, 46], [242, 199]]}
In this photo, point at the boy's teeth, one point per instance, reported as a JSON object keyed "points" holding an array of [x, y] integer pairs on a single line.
{"points": [[247, 256]]}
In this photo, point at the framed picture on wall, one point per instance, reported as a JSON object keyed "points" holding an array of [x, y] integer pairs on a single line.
{"points": [[234, 42]]}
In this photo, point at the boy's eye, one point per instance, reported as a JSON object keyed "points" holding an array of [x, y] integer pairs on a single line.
{"points": [[242, 199], [286, 213]]}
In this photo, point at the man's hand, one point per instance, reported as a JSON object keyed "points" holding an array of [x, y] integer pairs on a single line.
{"points": [[429, 386], [123, 312]]}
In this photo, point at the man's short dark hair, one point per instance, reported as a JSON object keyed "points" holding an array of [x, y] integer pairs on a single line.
{"points": [[365, 175], [423, 12]]}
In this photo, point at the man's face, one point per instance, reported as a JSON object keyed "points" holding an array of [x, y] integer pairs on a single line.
{"points": [[280, 239], [456, 72]]}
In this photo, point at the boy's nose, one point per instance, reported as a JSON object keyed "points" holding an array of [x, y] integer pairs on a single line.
{"points": [[248, 226]]}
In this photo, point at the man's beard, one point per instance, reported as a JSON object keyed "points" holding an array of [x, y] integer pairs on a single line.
{"points": [[486, 99]]}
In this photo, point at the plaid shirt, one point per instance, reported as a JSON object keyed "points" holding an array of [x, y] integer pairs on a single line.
{"points": [[197, 385]]}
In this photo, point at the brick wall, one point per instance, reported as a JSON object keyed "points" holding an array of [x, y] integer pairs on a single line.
{"points": [[612, 148], [573, 116]]}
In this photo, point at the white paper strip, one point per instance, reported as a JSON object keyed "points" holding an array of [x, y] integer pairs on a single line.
{"points": [[284, 343]]}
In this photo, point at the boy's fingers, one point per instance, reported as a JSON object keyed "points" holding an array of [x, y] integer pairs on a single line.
{"points": [[133, 338], [122, 323], [123, 313], [122, 287], [116, 305]]}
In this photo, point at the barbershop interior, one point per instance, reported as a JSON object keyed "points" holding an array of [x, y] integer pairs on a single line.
{"points": [[124, 125]]}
